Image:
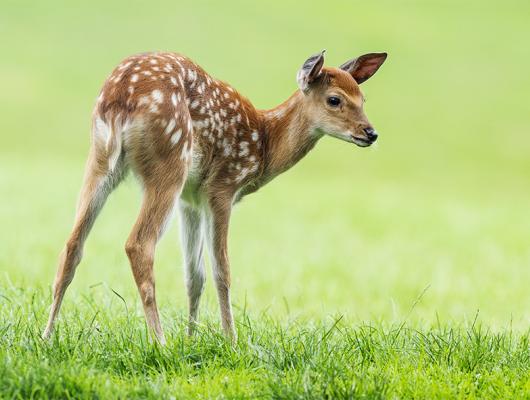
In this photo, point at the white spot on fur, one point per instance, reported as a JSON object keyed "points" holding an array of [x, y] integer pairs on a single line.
{"points": [[254, 168], [243, 149], [254, 136], [227, 148], [184, 152], [242, 175], [134, 78], [157, 95], [143, 100], [199, 124], [176, 137], [123, 66], [170, 126]]}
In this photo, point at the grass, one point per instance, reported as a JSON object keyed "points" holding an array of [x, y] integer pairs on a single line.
{"points": [[101, 352], [399, 271]]}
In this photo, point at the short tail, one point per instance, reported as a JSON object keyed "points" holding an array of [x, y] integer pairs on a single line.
{"points": [[114, 145], [108, 136]]}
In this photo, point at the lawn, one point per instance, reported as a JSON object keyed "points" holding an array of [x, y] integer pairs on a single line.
{"points": [[399, 271]]}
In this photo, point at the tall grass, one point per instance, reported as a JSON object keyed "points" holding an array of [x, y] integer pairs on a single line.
{"points": [[104, 352]]}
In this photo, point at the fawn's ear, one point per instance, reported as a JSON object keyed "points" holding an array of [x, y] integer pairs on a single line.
{"points": [[363, 67], [310, 70]]}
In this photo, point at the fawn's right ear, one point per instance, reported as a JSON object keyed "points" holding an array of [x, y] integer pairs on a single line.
{"points": [[310, 70]]}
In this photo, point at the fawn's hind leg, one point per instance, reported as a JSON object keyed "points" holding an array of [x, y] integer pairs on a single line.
{"points": [[99, 181], [162, 176]]}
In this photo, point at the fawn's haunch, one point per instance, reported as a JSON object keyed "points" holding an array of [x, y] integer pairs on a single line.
{"points": [[195, 143]]}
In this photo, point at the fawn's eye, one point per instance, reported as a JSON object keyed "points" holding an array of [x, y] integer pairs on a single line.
{"points": [[333, 101]]}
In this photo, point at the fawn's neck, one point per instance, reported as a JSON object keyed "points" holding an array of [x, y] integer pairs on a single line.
{"points": [[289, 135]]}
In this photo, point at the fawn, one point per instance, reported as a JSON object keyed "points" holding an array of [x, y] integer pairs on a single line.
{"points": [[196, 143]]}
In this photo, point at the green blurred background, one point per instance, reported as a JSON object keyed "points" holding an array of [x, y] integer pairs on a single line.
{"points": [[441, 203]]}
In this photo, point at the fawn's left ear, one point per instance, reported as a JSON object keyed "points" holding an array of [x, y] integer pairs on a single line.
{"points": [[310, 70], [363, 67]]}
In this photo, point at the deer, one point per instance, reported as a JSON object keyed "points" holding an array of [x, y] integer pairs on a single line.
{"points": [[195, 144]]}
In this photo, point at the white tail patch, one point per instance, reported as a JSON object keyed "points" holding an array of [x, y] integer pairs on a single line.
{"points": [[110, 134]]}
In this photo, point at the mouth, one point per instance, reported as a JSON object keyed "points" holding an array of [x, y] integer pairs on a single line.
{"points": [[361, 142], [349, 137]]}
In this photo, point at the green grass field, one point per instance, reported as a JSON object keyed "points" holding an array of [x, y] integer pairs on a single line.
{"points": [[400, 271]]}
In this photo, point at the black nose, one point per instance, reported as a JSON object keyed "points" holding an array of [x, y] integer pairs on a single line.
{"points": [[371, 134]]}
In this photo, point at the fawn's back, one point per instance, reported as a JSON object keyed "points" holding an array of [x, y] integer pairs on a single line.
{"points": [[163, 105]]}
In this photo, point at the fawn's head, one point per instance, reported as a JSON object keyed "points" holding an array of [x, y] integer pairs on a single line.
{"points": [[333, 98]]}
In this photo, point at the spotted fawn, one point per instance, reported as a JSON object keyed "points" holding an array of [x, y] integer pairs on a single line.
{"points": [[196, 144]]}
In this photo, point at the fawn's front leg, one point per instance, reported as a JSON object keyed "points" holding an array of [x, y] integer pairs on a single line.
{"points": [[217, 221], [192, 245]]}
